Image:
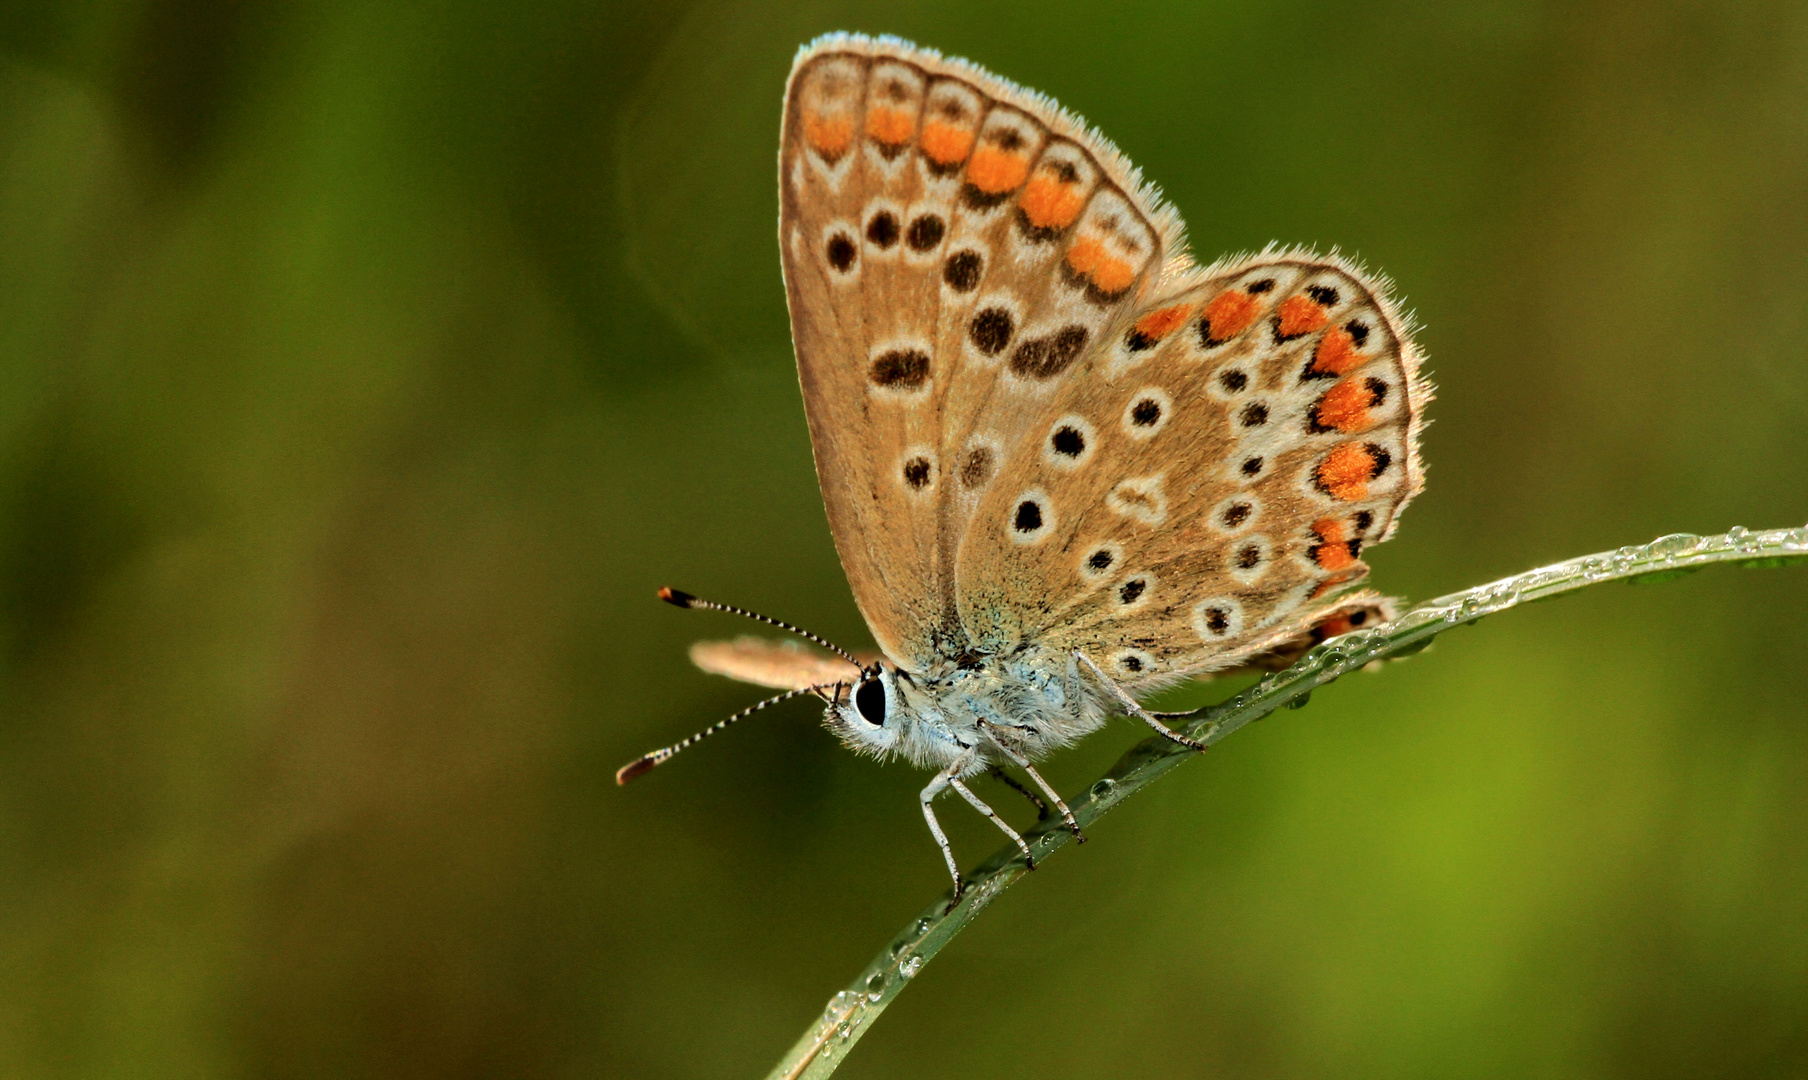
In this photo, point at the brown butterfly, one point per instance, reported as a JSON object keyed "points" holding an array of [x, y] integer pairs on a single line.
{"points": [[1064, 466]]}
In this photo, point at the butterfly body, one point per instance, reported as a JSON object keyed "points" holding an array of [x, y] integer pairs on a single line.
{"points": [[1063, 465], [1029, 702]]}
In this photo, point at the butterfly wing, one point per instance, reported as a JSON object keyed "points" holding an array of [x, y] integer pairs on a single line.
{"points": [[1028, 427], [1351, 613], [1198, 494], [953, 246]]}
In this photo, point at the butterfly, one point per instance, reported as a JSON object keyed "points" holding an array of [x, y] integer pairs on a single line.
{"points": [[1064, 466]]}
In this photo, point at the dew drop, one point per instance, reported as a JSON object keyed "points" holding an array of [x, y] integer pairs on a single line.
{"points": [[910, 967], [1301, 701], [1669, 547], [1103, 788]]}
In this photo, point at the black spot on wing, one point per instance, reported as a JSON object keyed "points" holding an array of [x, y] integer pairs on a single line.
{"points": [[961, 271], [991, 330], [904, 369], [925, 232], [1046, 357]]}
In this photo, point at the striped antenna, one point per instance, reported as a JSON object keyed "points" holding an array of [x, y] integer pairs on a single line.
{"points": [[686, 600], [646, 762]]}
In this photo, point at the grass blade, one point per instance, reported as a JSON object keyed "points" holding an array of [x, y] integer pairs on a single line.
{"points": [[852, 1011]]}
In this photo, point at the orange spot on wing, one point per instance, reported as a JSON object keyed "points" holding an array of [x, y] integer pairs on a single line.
{"points": [[1084, 256], [1345, 407], [829, 134], [1230, 313], [944, 143], [1336, 352], [993, 170], [1159, 324], [1300, 315], [1335, 626], [1330, 530], [1050, 203], [1337, 581], [890, 126], [1331, 552], [1345, 472], [1109, 274], [1113, 275]]}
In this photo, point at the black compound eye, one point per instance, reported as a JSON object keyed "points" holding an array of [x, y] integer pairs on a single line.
{"points": [[870, 700]]}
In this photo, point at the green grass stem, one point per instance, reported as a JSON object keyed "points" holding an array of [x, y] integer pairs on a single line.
{"points": [[851, 1012]]}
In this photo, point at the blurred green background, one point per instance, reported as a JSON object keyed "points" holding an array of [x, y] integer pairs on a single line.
{"points": [[365, 367]]}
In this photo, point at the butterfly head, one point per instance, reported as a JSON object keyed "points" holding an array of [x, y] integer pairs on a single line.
{"points": [[872, 716]]}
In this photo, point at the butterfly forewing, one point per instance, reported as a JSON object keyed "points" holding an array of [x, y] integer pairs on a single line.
{"points": [[1200, 490], [954, 249], [865, 361]]}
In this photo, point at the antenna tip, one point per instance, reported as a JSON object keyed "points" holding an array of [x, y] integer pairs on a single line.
{"points": [[635, 768], [675, 598]]}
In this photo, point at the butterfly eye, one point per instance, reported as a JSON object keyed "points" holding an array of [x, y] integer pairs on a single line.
{"points": [[870, 700]]}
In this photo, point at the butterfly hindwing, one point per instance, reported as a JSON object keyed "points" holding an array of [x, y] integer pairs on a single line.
{"points": [[953, 247], [1199, 492]]}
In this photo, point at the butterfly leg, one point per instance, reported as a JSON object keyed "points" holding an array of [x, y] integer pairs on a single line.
{"points": [[1010, 781], [1130, 704], [973, 800], [936, 786], [1023, 763]]}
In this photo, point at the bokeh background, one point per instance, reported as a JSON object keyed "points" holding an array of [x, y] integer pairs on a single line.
{"points": [[365, 367]]}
